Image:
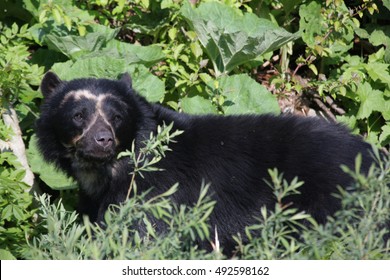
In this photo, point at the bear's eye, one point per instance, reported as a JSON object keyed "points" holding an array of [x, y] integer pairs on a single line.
{"points": [[78, 117]]}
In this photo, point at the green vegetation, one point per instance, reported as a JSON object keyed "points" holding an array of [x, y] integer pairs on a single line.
{"points": [[221, 57]]}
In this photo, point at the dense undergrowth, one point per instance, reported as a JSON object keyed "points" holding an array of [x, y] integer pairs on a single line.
{"points": [[329, 58]]}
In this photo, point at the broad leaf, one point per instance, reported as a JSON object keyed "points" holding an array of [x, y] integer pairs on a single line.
{"points": [[378, 71], [243, 95], [370, 100], [54, 178], [146, 84], [146, 55], [197, 105], [232, 38], [74, 46]]}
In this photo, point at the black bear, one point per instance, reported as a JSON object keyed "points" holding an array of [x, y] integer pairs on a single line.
{"points": [[85, 123]]}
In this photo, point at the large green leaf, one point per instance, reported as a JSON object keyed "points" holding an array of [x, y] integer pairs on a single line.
{"points": [[96, 67], [54, 178], [378, 71], [197, 105], [243, 95], [74, 46], [146, 55], [370, 100], [232, 38], [146, 84]]}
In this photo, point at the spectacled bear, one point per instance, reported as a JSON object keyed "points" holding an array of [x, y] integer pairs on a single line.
{"points": [[85, 123]]}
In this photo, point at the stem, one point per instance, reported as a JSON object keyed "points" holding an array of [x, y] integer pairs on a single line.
{"points": [[132, 182], [16, 144]]}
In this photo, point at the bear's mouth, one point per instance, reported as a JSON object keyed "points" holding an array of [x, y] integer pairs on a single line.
{"points": [[89, 155], [100, 157], [94, 156]]}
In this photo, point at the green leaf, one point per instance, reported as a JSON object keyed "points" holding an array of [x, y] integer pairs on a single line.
{"points": [[231, 38], [349, 121], [244, 95], [310, 22], [380, 36], [6, 255], [18, 212], [370, 100], [6, 214], [386, 3], [97, 67], [146, 84], [57, 16], [54, 178], [314, 69], [314, 30], [384, 138], [73, 46], [147, 55], [150, 23], [197, 105], [378, 71], [71, 10]]}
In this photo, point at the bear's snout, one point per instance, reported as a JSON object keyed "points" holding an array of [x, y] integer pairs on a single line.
{"points": [[104, 139]]}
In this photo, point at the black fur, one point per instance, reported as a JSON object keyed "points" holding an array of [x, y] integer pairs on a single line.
{"points": [[233, 153]]}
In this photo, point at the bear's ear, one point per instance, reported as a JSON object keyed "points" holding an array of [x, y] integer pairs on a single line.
{"points": [[126, 79], [49, 83]]}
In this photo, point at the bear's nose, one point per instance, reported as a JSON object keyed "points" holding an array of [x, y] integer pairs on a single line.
{"points": [[104, 138]]}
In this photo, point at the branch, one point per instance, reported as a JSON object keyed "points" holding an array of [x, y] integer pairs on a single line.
{"points": [[16, 144]]}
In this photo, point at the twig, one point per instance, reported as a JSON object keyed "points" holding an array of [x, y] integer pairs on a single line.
{"points": [[334, 106], [16, 144], [324, 108], [132, 182]]}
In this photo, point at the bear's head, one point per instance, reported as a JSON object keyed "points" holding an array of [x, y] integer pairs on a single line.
{"points": [[88, 121]]}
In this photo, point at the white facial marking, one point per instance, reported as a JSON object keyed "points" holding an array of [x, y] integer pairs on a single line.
{"points": [[98, 99]]}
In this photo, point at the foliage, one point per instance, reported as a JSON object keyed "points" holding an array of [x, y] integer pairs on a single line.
{"points": [[276, 233], [17, 79], [152, 152], [49, 174], [17, 215], [356, 232], [360, 83], [129, 231], [360, 229], [202, 58], [231, 38], [17, 75], [67, 239]]}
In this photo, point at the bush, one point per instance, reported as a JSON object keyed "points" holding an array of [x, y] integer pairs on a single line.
{"points": [[357, 231], [327, 57]]}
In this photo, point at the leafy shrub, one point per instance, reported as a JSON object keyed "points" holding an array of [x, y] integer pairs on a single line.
{"points": [[357, 231], [17, 221], [17, 79], [335, 53]]}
